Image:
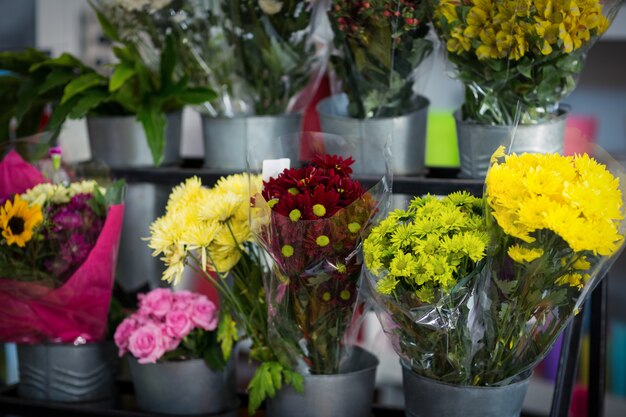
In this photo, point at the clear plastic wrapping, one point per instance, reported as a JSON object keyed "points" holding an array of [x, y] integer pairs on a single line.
{"points": [[519, 59], [552, 225], [309, 219], [379, 47]]}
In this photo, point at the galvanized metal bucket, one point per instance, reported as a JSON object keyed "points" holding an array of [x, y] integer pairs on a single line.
{"points": [[349, 393], [68, 373], [184, 387], [477, 142], [121, 141], [425, 397], [406, 133], [227, 140]]}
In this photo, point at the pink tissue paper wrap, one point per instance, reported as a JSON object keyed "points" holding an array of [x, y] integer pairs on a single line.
{"points": [[77, 311]]}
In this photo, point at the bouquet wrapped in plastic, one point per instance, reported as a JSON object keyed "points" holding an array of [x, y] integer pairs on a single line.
{"points": [[479, 299], [519, 58], [267, 56], [208, 230], [309, 218], [380, 45], [58, 255]]}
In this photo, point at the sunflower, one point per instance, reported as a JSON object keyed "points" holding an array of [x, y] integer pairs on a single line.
{"points": [[18, 220]]}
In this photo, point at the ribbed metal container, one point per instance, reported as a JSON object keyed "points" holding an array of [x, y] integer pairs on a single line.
{"points": [[407, 134], [478, 142], [227, 140], [346, 394], [184, 388], [425, 397], [68, 373], [121, 141]]}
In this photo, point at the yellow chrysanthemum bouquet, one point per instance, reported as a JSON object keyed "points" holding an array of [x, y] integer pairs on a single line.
{"points": [[519, 58], [475, 298], [208, 230]]}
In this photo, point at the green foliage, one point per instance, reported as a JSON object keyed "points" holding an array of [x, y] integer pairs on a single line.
{"points": [[272, 53], [268, 380], [227, 334], [378, 54]]}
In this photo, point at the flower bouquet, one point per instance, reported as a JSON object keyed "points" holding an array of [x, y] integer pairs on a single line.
{"points": [[309, 219], [208, 230], [483, 312], [57, 257], [519, 59], [380, 46], [173, 333]]}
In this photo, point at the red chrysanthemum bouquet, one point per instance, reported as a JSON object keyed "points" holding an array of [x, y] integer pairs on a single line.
{"points": [[311, 221]]}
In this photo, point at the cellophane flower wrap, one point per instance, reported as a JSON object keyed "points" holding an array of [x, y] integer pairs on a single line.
{"points": [[58, 254], [519, 59], [379, 47], [551, 228], [263, 55], [208, 230], [309, 219], [171, 326]]}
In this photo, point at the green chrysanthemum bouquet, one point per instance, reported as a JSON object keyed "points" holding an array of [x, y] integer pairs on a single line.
{"points": [[420, 263]]}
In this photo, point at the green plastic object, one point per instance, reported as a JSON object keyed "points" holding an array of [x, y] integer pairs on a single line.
{"points": [[441, 147]]}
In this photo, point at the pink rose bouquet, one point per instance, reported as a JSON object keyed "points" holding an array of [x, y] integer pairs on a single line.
{"points": [[171, 326]]}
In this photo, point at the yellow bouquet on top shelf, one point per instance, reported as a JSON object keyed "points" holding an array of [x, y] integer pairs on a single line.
{"points": [[519, 58], [477, 294]]}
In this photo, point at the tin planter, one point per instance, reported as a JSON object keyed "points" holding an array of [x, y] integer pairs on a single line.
{"points": [[425, 397], [406, 133], [67, 373], [121, 141], [227, 140], [349, 393], [477, 142], [184, 387]]}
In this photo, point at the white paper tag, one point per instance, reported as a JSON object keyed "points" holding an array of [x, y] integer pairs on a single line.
{"points": [[274, 167]]}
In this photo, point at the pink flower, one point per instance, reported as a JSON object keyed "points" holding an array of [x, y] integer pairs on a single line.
{"points": [[157, 302], [170, 343], [178, 324], [183, 300], [204, 314], [146, 343], [123, 332]]}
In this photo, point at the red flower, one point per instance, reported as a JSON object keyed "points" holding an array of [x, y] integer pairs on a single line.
{"points": [[334, 163]]}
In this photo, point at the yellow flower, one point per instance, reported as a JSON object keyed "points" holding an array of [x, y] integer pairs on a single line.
{"points": [[403, 265], [184, 194], [522, 254], [17, 221], [386, 285]]}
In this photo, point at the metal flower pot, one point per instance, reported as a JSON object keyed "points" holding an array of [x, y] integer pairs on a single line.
{"points": [[184, 387], [227, 140], [425, 397], [68, 373], [121, 141], [477, 142], [349, 393], [407, 134]]}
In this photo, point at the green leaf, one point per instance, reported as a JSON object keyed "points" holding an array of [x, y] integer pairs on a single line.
{"points": [[108, 28], [227, 334], [57, 77], [26, 95], [507, 287], [168, 63], [153, 121], [60, 113], [87, 103], [115, 193], [198, 95], [121, 74], [97, 202], [81, 84], [65, 60]]}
